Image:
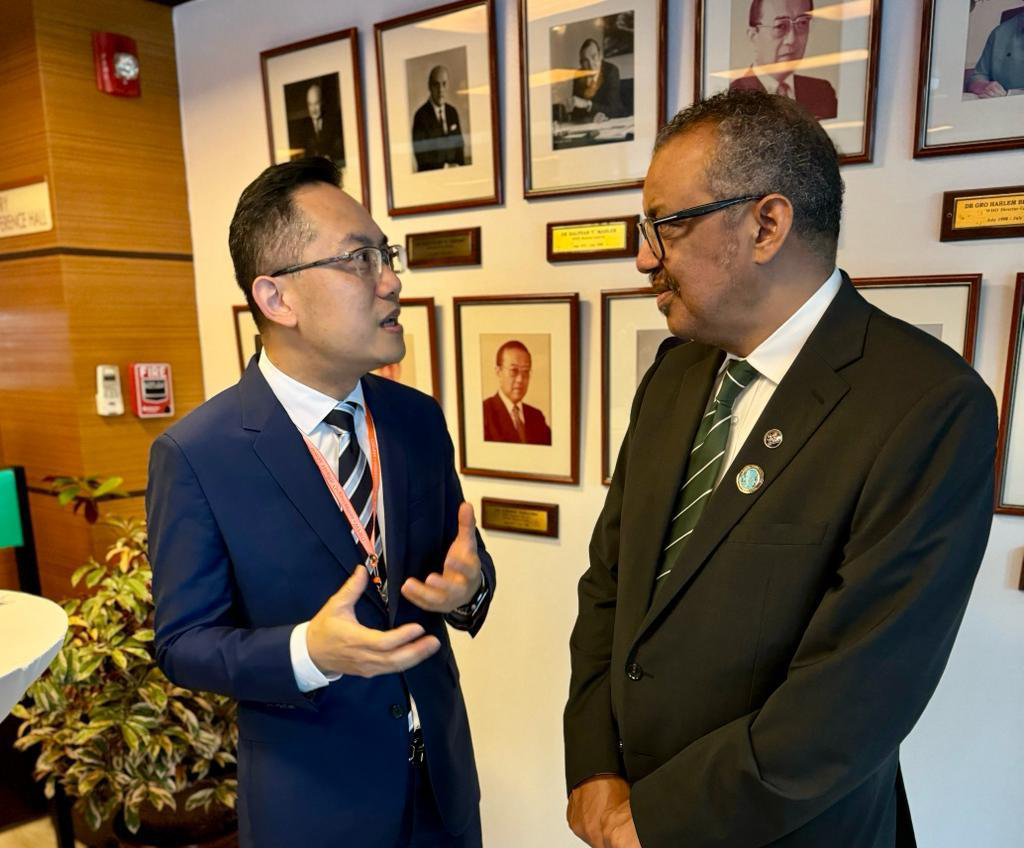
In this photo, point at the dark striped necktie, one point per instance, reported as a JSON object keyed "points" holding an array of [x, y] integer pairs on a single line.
{"points": [[705, 462], [357, 481]]}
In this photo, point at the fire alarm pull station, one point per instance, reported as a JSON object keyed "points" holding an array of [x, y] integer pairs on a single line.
{"points": [[152, 392]]}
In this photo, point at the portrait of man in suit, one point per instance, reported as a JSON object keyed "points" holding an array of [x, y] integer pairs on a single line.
{"points": [[437, 140], [311, 547], [316, 128], [596, 92], [793, 525], [778, 31], [506, 417], [999, 69]]}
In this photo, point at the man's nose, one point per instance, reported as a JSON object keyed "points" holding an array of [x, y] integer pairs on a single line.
{"points": [[389, 284], [646, 261]]}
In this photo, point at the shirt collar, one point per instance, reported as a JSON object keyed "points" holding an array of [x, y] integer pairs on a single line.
{"points": [[306, 406], [774, 356], [507, 401], [771, 83]]}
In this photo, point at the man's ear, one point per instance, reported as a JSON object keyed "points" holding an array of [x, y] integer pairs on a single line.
{"points": [[269, 295], [772, 223]]}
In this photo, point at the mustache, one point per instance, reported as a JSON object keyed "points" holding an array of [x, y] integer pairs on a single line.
{"points": [[662, 281]]}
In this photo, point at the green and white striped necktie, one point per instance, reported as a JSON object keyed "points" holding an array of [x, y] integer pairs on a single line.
{"points": [[705, 462]]}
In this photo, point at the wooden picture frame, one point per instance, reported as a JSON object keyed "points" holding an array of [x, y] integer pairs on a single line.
{"points": [[959, 293], [520, 350], [842, 93], [570, 145], [421, 155], [419, 368], [632, 329], [330, 64], [951, 119], [1010, 448]]}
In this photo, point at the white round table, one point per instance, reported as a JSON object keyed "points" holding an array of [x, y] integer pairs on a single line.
{"points": [[31, 632]]}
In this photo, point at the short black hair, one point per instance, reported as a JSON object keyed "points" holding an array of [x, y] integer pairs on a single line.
{"points": [[267, 231], [766, 144], [754, 18], [593, 41], [510, 345]]}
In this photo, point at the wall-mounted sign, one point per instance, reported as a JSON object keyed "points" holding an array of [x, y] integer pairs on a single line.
{"points": [[443, 248], [575, 241], [25, 210], [533, 519], [983, 213]]}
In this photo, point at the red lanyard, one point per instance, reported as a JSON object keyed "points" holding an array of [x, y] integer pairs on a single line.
{"points": [[345, 505]]}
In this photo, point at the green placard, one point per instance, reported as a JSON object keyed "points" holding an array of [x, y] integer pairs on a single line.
{"points": [[10, 515]]}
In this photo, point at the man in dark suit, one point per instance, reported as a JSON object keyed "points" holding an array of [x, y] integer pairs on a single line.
{"points": [[778, 31], [597, 94], [309, 543], [318, 134], [436, 132], [797, 514], [506, 417]]}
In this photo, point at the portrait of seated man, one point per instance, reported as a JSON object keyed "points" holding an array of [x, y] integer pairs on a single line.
{"points": [[999, 70], [597, 92], [778, 31], [318, 132], [437, 140], [506, 417]]}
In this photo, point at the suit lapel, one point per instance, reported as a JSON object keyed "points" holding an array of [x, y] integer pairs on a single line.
{"points": [[395, 478], [280, 447], [660, 449], [801, 403]]}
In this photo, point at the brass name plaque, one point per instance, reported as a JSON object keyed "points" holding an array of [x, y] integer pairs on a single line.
{"points": [[983, 214], [533, 519], [443, 248], [571, 241]]}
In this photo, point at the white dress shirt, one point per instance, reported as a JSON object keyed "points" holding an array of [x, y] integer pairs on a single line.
{"points": [[307, 409], [772, 359], [771, 84], [509, 406]]}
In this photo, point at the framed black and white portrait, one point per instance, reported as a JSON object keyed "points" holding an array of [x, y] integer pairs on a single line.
{"points": [[1010, 455], [438, 100], [971, 79], [593, 92], [517, 367], [944, 306], [821, 53], [314, 101]]}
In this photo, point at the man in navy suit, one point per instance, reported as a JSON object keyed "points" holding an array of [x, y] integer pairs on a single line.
{"points": [[778, 31], [352, 725], [436, 132], [506, 417]]}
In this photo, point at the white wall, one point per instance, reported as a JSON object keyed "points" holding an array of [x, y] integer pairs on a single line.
{"points": [[965, 761]]}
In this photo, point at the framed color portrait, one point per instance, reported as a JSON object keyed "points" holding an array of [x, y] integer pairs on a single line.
{"points": [[592, 78], [517, 366], [970, 93], [439, 108], [943, 306], [1010, 455], [632, 330], [821, 53], [247, 336], [314, 101], [419, 367]]}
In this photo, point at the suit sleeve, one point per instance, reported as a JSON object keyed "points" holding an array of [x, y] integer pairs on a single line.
{"points": [[199, 641], [872, 653], [591, 732], [420, 135]]}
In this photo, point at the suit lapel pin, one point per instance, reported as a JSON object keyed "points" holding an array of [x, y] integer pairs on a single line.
{"points": [[772, 439], [750, 479]]}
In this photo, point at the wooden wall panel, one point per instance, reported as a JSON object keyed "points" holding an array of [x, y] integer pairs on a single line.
{"points": [[23, 141], [125, 311], [37, 382], [118, 168], [8, 570]]}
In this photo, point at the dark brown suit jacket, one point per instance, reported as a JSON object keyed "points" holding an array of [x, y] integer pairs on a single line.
{"points": [[816, 95], [762, 699]]}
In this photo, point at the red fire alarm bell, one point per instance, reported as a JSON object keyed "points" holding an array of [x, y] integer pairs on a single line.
{"points": [[117, 64], [152, 393]]}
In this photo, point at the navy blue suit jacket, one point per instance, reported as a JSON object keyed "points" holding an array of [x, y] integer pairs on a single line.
{"points": [[246, 542]]}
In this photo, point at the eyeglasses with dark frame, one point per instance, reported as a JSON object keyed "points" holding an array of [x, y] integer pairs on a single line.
{"points": [[649, 226], [366, 262], [781, 27]]}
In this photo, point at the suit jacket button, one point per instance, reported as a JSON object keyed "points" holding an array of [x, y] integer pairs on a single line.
{"points": [[397, 711], [634, 672]]}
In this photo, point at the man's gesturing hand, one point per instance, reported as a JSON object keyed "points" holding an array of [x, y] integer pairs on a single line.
{"points": [[339, 644], [591, 803], [460, 580]]}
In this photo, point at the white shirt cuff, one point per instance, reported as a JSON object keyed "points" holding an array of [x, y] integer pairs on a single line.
{"points": [[307, 676]]}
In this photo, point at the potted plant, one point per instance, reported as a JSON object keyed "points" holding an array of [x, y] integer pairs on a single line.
{"points": [[137, 753]]}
